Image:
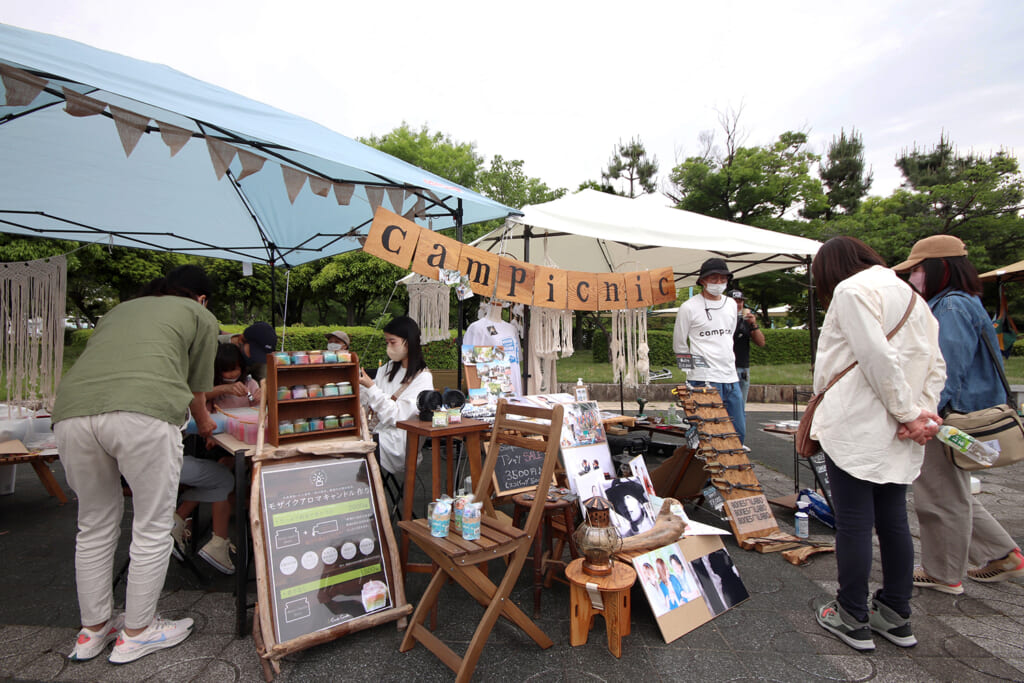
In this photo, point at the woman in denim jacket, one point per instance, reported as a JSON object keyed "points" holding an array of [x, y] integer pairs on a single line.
{"points": [[954, 527]]}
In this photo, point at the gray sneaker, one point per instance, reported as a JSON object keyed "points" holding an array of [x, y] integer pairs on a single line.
{"points": [[887, 623], [838, 622], [160, 634]]}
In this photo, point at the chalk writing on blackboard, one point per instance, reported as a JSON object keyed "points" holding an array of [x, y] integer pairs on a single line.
{"points": [[517, 469]]}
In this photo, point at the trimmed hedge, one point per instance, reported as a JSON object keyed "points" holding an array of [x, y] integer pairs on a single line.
{"points": [[783, 347], [365, 341]]}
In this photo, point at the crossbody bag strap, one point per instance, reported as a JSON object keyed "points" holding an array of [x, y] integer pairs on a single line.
{"points": [[999, 369], [906, 314]]}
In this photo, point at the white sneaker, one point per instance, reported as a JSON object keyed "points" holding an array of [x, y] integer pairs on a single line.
{"points": [[91, 643], [181, 532], [217, 552], [159, 635]]}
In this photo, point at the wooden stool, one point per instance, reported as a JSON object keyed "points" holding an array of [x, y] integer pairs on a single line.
{"points": [[614, 594], [559, 522]]}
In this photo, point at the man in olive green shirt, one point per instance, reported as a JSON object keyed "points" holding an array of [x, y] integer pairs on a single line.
{"points": [[119, 412]]}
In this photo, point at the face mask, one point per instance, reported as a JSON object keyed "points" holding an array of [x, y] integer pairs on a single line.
{"points": [[917, 281], [231, 381], [334, 347], [398, 354], [715, 290]]}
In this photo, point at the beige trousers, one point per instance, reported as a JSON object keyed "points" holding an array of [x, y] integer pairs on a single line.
{"points": [[955, 528], [96, 451]]}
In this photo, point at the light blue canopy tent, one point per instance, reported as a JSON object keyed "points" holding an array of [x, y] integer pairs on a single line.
{"points": [[71, 177]]}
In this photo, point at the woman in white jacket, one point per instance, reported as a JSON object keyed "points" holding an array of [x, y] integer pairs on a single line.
{"points": [[392, 394], [872, 425]]}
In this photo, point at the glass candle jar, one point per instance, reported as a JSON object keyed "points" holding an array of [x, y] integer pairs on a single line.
{"points": [[301, 426], [300, 358], [331, 422], [299, 391], [314, 391], [346, 421], [316, 424], [284, 393], [344, 388], [316, 357], [330, 356], [330, 389], [283, 358], [285, 427]]}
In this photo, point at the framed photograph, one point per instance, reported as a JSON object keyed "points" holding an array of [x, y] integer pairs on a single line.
{"points": [[667, 579], [582, 394]]}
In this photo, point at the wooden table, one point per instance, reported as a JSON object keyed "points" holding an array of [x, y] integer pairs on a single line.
{"points": [[614, 593], [39, 464], [467, 429]]}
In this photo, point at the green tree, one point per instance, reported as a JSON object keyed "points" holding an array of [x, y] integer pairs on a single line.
{"points": [[748, 185], [631, 164], [360, 282], [505, 182], [434, 152], [845, 174]]}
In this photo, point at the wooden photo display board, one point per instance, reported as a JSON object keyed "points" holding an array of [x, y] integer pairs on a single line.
{"points": [[691, 596], [326, 559]]}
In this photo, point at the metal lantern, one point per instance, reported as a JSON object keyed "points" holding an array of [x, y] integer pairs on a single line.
{"points": [[597, 538]]}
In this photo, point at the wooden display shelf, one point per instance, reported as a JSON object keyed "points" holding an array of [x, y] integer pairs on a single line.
{"points": [[319, 407]]}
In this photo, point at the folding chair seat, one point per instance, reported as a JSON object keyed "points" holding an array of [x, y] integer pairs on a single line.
{"points": [[466, 561]]}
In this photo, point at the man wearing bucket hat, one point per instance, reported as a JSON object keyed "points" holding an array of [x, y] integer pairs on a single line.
{"points": [[702, 339], [337, 341]]}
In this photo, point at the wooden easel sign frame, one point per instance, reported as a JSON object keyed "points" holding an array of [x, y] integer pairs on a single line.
{"points": [[326, 558]]}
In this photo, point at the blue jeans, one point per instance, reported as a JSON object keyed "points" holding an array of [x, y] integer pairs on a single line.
{"points": [[744, 374], [860, 506], [730, 392]]}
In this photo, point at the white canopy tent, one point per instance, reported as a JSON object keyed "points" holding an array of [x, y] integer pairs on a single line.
{"points": [[597, 232]]}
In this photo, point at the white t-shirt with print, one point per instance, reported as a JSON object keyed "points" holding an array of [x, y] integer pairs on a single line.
{"points": [[704, 328], [486, 332]]}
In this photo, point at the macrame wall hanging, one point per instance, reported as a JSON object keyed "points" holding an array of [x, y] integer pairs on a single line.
{"points": [[550, 339], [629, 350], [32, 299], [429, 304]]}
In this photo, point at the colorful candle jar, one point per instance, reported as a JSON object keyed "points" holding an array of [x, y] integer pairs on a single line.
{"points": [[300, 358], [301, 426], [283, 358], [316, 357], [344, 388], [314, 391], [331, 422], [330, 389], [316, 424], [344, 356], [285, 427], [284, 393], [330, 356], [346, 421], [299, 391]]}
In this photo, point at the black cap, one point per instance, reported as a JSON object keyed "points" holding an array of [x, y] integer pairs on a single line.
{"points": [[261, 339], [713, 266], [737, 294]]}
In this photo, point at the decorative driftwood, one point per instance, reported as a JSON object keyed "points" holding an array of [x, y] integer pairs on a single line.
{"points": [[668, 528], [338, 448]]}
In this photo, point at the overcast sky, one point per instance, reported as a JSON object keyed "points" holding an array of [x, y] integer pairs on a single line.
{"points": [[558, 83]]}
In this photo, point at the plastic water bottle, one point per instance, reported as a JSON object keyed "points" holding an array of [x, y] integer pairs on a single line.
{"points": [[963, 442], [802, 522]]}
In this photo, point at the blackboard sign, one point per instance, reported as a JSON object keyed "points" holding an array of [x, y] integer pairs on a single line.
{"points": [[821, 473], [323, 545], [517, 469]]}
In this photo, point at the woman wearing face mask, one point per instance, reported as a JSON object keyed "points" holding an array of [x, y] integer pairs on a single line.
{"points": [[233, 387], [392, 394], [954, 527], [337, 341]]}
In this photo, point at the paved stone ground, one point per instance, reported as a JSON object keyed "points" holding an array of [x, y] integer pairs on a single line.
{"points": [[770, 637]]}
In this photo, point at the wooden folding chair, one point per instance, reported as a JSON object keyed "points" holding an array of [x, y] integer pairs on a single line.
{"points": [[465, 561]]}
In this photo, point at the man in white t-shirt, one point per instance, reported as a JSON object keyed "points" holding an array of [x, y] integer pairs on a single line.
{"points": [[703, 336]]}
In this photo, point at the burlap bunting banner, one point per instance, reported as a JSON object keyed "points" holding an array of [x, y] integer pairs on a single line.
{"points": [[251, 163], [20, 87], [396, 196], [78, 104], [294, 179], [319, 186], [130, 127], [221, 154], [403, 243], [343, 193], [175, 138], [374, 195]]}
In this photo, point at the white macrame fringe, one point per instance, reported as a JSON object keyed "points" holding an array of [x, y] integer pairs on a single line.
{"points": [[629, 349], [429, 304], [32, 302], [550, 338]]}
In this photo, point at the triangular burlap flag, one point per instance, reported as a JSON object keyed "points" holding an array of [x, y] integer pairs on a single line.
{"points": [[374, 195], [343, 192], [175, 138], [20, 86], [396, 196], [420, 208], [130, 127], [221, 154], [319, 186], [251, 163], [293, 181], [78, 104]]}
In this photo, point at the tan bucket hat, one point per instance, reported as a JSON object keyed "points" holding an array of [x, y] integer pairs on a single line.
{"points": [[936, 246]]}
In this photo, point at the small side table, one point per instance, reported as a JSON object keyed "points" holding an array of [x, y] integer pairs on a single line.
{"points": [[467, 429], [543, 557], [614, 595]]}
